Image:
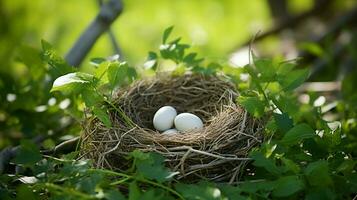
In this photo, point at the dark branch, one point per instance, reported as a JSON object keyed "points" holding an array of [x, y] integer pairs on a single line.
{"points": [[290, 22], [107, 15]]}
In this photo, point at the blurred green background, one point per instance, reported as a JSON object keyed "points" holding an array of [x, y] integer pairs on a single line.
{"points": [[215, 29]]}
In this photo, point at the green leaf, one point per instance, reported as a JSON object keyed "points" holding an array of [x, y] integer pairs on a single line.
{"points": [[25, 193], [166, 34], [92, 98], [28, 155], [266, 69], [117, 72], [317, 174], [132, 74], [288, 185], [231, 192], [101, 72], [102, 115], [284, 68], [253, 105], [114, 195], [72, 82], [151, 166], [290, 165], [255, 187], [283, 121], [89, 183], [134, 191], [200, 191], [97, 61], [298, 133], [268, 164], [58, 64], [151, 61], [293, 79]]}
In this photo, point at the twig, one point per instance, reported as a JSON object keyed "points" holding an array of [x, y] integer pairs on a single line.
{"points": [[64, 147], [207, 154], [289, 23], [107, 14], [112, 38]]}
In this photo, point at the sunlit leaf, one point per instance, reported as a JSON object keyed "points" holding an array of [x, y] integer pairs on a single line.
{"points": [[117, 73], [166, 34], [253, 105], [71, 82]]}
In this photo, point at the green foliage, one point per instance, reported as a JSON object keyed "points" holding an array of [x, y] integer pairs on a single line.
{"points": [[298, 133], [28, 155], [96, 90], [303, 155]]}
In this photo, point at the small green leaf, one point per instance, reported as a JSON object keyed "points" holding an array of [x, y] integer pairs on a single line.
{"points": [[114, 195], [102, 115], [266, 69], [285, 68], [29, 154], [290, 165], [298, 133], [166, 34], [317, 174], [92, 98], [268, 164], [151, 166], [101, 72], [254, 187], [253, 105], [283, 121], [288, 185], [71, 82], [151, 61], [58, 64], [97, 61], [117, 72], [132, 74], [293, 79], [200, 191]]}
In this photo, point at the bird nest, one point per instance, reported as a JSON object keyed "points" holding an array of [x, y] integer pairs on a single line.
{"points": [[218, 152]]}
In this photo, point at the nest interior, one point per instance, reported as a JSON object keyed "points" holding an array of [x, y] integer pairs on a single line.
{"points": [[218, 152]]}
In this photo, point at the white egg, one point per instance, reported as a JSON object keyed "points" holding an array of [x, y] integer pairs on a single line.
{"points": [[164, 118], [187, 121], [170, 131]]}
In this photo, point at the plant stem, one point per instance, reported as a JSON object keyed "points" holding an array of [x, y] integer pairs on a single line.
{"points": [[127, 177], [69, 191]]}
